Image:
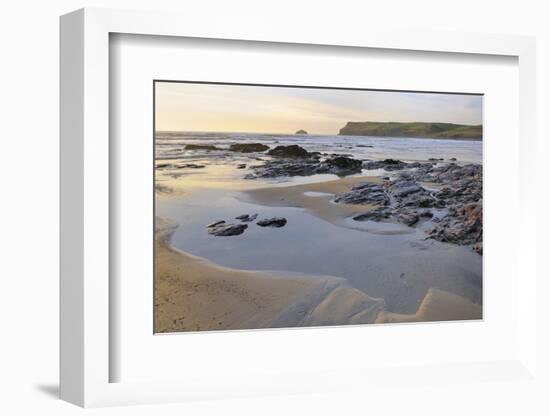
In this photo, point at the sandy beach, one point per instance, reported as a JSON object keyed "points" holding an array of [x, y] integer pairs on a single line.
{"points": [[275, 231], [194, 294]]}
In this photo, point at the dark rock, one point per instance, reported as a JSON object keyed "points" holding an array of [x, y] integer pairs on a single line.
{"points": [[285, 167], [248, 147], [305, 167], [291, 151], [301, 132], [400, 189], [364, 193], [391, 162], [276, 222], [374, 215], [190, 166], [216, 223], [461, 226], [246, 217], [200, 147], [453, 159], [425, 202], [345, 163], [241, 166], [364, 145], [426, 214], [386, 164], [409, 219], [225, 230], [163, 165]]}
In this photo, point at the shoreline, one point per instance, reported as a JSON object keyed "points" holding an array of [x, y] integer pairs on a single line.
{"points": [[194, 294]]}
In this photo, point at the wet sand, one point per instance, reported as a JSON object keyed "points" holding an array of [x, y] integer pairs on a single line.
{"points": [[437, 305], [193, 294]]}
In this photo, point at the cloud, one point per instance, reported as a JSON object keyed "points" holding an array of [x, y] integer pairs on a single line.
{"points": [[209, 107]]}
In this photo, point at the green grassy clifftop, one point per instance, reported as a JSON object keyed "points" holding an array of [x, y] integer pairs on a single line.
{"points": [[427, 130]]}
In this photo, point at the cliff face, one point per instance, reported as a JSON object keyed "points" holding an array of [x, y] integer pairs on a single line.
{"points": [[421, 130]]}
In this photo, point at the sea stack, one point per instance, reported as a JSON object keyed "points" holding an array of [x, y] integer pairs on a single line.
{"points": [[301, 132]]}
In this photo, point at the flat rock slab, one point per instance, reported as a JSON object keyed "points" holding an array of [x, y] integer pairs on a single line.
{"points": [[276, 222], [247, 217], [364, 193], [225, 230], [248, 147]]}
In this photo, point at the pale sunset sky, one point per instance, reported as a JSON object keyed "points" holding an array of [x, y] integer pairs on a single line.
{"points": [[257, 109]]}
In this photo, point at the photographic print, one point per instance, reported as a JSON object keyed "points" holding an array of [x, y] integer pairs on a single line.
{"points": [[288, 206]]}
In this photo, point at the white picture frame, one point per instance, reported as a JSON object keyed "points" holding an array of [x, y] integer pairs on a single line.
{"points": [[85, 212]]}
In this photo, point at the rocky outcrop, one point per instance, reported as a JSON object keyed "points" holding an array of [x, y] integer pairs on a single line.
{"points": [[291, 151], [389, 164], [345, 163], [248, 147], [364, 193], [313, 165], [378, 214], [461, 226], [200, 147], [457, 203]]}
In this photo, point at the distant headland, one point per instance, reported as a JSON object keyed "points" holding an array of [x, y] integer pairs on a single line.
{"points": [[301, 132], [421, 130]]}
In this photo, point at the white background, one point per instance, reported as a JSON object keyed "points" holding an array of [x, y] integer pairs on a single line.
{"points": [[29, 159]]}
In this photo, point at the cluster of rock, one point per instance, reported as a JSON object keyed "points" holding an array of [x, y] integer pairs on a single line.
{"points": [[179, 166], [455, 208], [402, 199], [294, 160], [458, 202], [222, 228], [248, 147], [462, 225], [386, 164], [364, 193], [236, 147]]}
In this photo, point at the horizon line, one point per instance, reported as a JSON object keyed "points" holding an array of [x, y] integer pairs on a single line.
{"points": [[312, 133]]}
